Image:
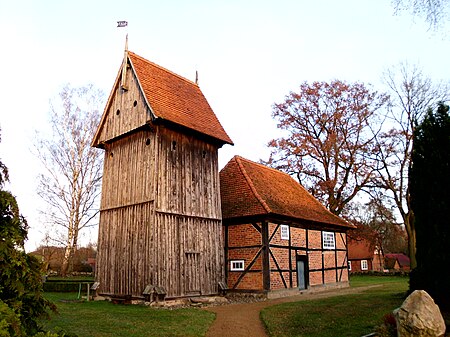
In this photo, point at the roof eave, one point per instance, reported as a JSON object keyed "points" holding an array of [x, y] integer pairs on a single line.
{"points": [[208, 138], [280, 218]]}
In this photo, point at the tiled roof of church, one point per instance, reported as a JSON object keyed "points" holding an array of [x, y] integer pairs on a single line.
{"points": [[176, 99], [251, 189]]}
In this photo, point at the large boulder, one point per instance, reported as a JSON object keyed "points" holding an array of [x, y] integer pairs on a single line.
{"points": [[419, 316]]}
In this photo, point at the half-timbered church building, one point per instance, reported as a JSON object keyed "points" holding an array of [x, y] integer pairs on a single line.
{"points": [[277, 236], [161, 209]]}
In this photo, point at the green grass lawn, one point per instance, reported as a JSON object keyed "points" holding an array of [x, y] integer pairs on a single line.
{"points": [[349, 315], [101, 318], [367, 280]]}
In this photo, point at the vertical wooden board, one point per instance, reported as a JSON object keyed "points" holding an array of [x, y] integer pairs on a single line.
{"points": [[186, 185], [182, 184], [130, 117], [125, 179], [120, 254]]}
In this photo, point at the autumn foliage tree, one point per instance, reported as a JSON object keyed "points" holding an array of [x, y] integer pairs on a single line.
{"points": [[328, 142]]}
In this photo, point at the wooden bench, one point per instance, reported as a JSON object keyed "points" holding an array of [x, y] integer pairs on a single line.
{"points": [[223, 288], [121, 299]]}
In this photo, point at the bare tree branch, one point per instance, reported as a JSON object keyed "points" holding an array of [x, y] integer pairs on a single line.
{"points": [[433, 11], [411, 96]]}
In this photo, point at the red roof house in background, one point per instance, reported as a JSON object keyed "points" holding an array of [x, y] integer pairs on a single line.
{"points": [[397, 262], [364, 253]]}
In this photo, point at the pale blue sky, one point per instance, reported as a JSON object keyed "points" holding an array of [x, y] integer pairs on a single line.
{"points": [[249, 54]]}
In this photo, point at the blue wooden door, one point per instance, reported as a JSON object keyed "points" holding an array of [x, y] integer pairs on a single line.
{"points": [[301, 280]]}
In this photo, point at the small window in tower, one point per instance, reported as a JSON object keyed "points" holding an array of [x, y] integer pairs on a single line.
{"points": [[135, 103], [147, 142], [111, 154], [174, 145], [204, 154], [118, 112]]}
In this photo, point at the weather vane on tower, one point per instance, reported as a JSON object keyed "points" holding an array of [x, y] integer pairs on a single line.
{"points": [[123, 84]]}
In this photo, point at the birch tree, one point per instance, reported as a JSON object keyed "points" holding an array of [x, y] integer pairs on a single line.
{"points": [[70, 182]]}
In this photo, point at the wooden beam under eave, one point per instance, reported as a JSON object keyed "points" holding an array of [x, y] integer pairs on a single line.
{"points": [[265, 255]]}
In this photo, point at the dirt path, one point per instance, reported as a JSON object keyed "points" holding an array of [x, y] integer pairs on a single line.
{"points": [[242, 319]]}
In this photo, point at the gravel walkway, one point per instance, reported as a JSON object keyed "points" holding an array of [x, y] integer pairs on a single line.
{"points": [[242, 319]]}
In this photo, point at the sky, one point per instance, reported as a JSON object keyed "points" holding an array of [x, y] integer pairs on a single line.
{"points": [[249, 55]]}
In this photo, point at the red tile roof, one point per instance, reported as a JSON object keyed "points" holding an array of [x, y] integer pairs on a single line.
{"points": [[176, 99], [402, 259], [251, 189]]}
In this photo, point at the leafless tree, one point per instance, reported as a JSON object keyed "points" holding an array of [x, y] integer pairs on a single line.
{"points": [[411, 95], [71, 177], [328, 143], [378, 216], [434, 11]]}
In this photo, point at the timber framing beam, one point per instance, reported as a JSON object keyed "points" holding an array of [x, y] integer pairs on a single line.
{"points": [[248, 268], [265, 255]]}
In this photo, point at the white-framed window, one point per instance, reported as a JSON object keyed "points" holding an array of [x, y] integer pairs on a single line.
{"points": [[349, 265], [328, 240], [284, 229], [364, 265], [237, 265]]}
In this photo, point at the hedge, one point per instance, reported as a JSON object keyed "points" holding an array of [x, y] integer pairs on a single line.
{"points": [[66, 286], [381, 273]]}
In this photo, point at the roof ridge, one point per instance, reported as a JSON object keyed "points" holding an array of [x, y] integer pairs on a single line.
{"points": [[286, 174], [165, 69], [250, 183], [264, 166]]}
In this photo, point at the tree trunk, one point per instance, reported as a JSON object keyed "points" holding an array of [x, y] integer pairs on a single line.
{"points": [[411, 231], [66, 260], [68, 251]]}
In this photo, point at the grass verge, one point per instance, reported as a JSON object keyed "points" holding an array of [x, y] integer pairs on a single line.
{"points": [[348, 315], [101, 318], [367, 280]]}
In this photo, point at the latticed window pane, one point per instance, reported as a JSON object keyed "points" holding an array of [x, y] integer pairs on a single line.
{"points": [[364, 265], [328, 240], [237, 265]]}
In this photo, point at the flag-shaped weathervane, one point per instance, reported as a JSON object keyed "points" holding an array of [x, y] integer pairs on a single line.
{"points": [[122, 23]]}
